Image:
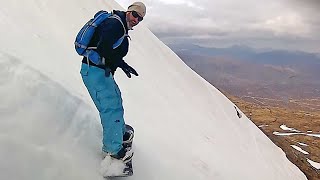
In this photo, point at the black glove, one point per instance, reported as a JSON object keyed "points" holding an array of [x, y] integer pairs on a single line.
{"points": [[107, 71], [128, 69]]}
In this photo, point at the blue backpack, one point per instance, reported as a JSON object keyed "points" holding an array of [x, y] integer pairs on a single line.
{"points": [[84, 37]]}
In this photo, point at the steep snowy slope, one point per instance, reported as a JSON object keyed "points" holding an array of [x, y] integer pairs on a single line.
{"points": [[49, 129]]}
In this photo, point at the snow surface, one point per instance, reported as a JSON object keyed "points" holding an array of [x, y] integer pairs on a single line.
{"points": [[49, 129]]}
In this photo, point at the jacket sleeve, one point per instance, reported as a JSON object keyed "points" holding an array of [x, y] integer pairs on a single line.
{"points": [[111, 30]]}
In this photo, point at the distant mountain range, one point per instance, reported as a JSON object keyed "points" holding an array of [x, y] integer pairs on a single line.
{"points": [[248, 54], [244, 71]]}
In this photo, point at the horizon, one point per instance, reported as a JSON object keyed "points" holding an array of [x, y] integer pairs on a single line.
{"points": [[256, 49]]}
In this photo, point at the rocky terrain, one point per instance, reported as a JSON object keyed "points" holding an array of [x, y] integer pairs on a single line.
{"points": [[289, 128]]}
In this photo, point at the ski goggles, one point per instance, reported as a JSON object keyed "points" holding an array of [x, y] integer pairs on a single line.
{"points": [[136, 15]]}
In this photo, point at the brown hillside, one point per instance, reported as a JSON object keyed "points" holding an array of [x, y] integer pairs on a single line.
{"points": [[269, 119]]}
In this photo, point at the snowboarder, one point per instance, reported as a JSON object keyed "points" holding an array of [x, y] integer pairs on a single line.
{"points": [[110, 40]]}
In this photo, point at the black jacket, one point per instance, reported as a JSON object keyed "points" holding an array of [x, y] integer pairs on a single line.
{"points": [[106, 34]]}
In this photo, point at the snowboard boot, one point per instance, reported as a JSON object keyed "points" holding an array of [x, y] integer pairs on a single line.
{"points": [[125, 155], [118, 165], [126, 143], [128, 137]]}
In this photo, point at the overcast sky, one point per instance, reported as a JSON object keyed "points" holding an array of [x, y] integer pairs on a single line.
{"points": [[277, 24]]}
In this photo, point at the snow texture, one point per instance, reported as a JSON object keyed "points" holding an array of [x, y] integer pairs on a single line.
{"points": [[49, 129]]}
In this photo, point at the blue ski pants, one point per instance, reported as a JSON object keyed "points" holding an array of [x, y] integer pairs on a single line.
{"points": [[106, 95]]}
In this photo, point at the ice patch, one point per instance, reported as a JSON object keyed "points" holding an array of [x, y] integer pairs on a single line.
{"points": [[263, 126], [303, 144], [314, 164], [299, 149], [289, 134], [314, 135], [284, 127]]}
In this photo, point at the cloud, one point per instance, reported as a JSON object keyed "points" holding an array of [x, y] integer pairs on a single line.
{"points": [[286, 25], [313, 5], [221, 22], [182, 2]]}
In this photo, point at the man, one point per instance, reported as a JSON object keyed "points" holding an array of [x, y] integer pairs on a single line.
{"points": [[100, 83]]}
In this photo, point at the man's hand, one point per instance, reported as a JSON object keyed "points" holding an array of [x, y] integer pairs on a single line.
{"points": [[128, 69]]}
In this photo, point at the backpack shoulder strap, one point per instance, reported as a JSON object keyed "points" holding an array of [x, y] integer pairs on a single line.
{"points": [[115, 16], [118, 43]]}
